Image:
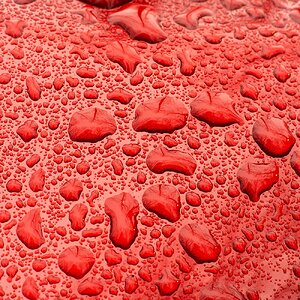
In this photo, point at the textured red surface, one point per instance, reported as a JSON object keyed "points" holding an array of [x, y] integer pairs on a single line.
{"points": [[149, 149]]}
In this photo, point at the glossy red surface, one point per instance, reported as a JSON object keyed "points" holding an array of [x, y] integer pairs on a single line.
{"points": [[149, 149]]}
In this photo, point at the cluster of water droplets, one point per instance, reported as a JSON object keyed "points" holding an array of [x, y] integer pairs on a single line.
{"points": [[149, 149]]}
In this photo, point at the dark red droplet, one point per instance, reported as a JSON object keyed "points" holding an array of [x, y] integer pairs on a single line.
{"points": [[281, 73], [28, 131], [256, 178], [162, 160], [187, 64], [33, 88], [86, 72], [112, 257], [140, 21], [37, 180], [273, 136], [90, 287], [122, 210], [168, 284], [30, 289], [163, 115], [131, 149], [123, 54], [77, 216], [145, 274], [164, 201], [131, 284], [120, 95], [91, 125], [295, 161], [76, 261], [193, 199], [249, 91], [162, 59], [15, 29], [205, 185], [29, 230], [291, 242], [14, 186], [190, 18], [215, 109], [5, 78], [198, 243], [71, 190], [269, 52]]}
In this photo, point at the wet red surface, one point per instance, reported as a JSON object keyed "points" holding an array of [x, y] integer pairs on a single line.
{"points": [[149, 149]]}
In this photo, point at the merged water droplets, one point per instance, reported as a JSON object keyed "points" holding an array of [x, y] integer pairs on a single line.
{"points": [[199, 244], [215, 109], [90, 287], [123, 54], [29, 230], [190, 18], [30, 288], [28, 131], [163, 115], [140, 21], [161, 160], [256, 178], [33, 88], [273, 136], [76, 261], [122, 210], [15, 29], [164, 201], [91, 125]]}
